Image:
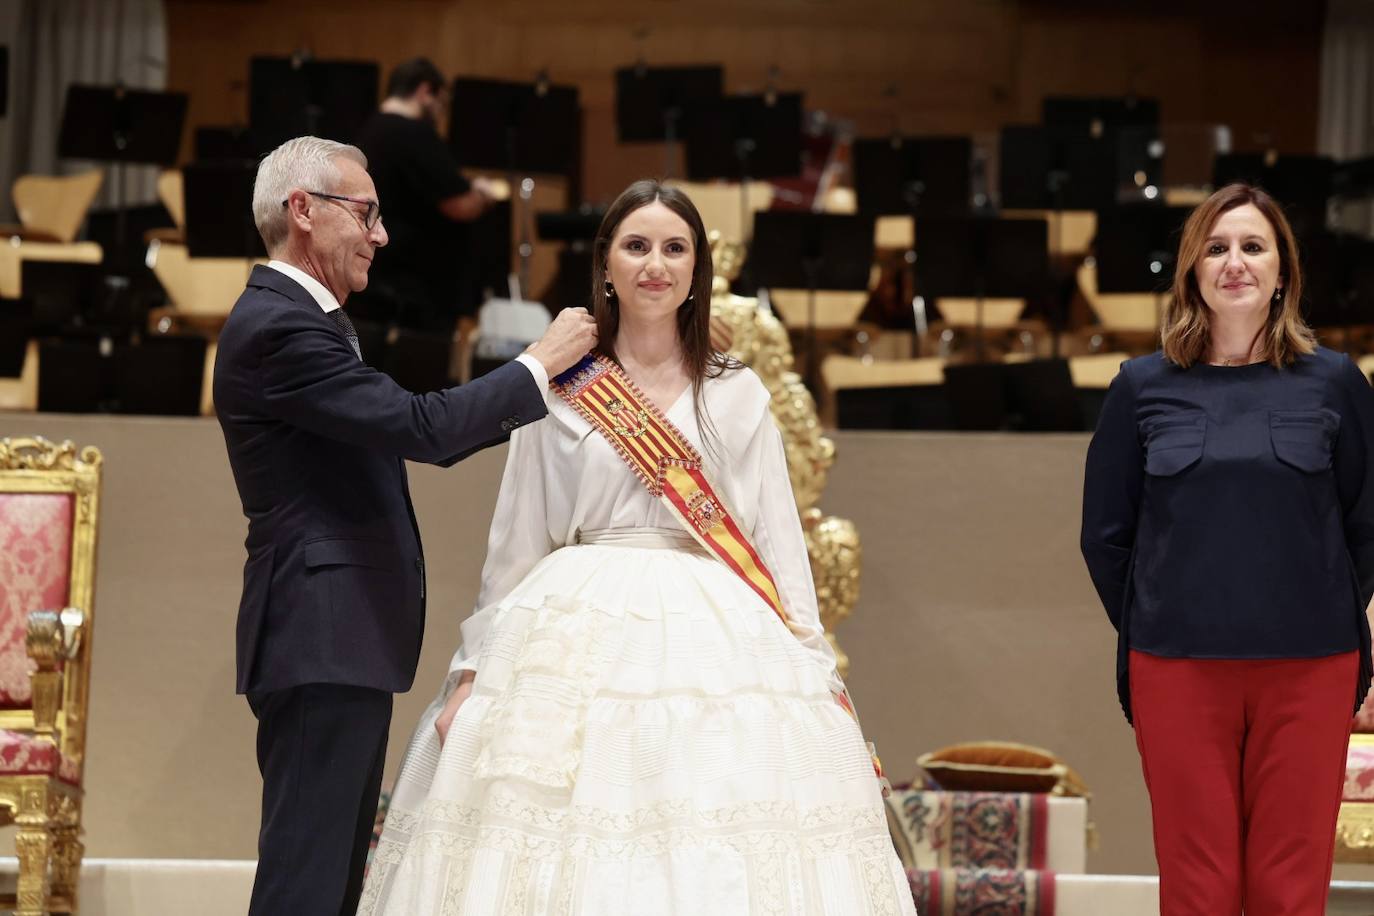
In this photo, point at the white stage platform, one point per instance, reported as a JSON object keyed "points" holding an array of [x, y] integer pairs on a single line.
{"points": [[174, 887]]}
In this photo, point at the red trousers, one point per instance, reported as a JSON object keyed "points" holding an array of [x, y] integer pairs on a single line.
{"points": [[1244, 761]]}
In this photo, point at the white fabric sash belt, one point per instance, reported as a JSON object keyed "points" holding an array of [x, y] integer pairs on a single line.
{"points": [[652, 538]]}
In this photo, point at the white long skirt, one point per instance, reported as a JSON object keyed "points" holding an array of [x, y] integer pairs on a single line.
{"points": [[644, 737]]}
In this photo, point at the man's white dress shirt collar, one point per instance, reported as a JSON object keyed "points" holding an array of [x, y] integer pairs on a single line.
{"points": [[314, 287]]}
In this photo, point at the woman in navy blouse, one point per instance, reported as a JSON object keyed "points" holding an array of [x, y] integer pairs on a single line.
{"points": [[1228, 525]]}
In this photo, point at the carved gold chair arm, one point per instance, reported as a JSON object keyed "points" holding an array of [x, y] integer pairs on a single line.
{"points": [[53, 637]]}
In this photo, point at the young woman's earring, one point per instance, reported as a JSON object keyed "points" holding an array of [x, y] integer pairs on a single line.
{"points": [[610, 290]]}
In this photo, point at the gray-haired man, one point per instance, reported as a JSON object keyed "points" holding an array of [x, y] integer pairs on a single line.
{"points": [[332, 612]]}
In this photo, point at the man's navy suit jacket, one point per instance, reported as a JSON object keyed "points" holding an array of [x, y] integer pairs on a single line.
{"points": [[334, 584]]}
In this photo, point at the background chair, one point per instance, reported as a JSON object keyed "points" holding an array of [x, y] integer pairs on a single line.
{"points": [[51, 210], [49, 505]]}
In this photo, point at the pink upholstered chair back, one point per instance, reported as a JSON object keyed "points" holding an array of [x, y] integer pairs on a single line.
{"points": [[1364, 719], [35, 574]]}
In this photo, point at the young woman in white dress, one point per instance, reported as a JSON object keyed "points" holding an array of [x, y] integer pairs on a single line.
{"points": [[629, 727]]}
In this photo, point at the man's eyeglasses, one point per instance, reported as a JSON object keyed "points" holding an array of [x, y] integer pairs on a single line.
{"points": [[371, 215]]}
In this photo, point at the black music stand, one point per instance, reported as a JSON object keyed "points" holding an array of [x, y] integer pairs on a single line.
{"points": [[907, 175], [1303, 184], [65, 297], [1106, 112], [794, 249], [910, 176], [160, 375], [1338, 280], [1045, 168], [744, 137], [577, 229], [981, 257], [1033, 396], [518, 128], [650, 102], [219, 210], [297, 96], [522, 129], [16, 327], [1136, 248], [123, 127], [220, 143]]}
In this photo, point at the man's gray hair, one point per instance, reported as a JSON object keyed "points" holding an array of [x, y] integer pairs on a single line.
{"points": [[306, 163]]}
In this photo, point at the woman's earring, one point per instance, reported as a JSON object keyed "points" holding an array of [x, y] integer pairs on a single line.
{"points": [[610, 290], [1278, 294]]}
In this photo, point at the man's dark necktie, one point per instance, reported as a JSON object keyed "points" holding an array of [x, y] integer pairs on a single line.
{"points": [[346, 325]]}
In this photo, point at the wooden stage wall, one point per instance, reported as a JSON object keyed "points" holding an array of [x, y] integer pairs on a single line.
{"points": [[927, 67]]}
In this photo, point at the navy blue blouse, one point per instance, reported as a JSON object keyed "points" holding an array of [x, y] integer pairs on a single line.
{"points": [[1228, 512]]}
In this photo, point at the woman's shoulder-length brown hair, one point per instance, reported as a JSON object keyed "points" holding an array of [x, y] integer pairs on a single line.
{"points": [[1187, 322]]}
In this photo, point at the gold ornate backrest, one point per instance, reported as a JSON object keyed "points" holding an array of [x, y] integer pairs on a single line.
{"points": [[60, 641], [760, 341]]}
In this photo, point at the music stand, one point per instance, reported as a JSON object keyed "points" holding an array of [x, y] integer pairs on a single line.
{"points": [[296, 97], [75, 375], [16, 327], [218, 143], [1303, 184], [522, 129], [743, 137], [514, 127], [794, 249], [650, 102], [909, 176], [160, 375], [1136, 248], [1049, 169], [219, 210], [122, 127], [904, 175], [1109, 113], [577, 230], [1338, 275], [62, 295], [1033, 396], [981, 257]]}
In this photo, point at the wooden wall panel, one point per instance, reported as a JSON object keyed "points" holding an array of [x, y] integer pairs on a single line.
{"points": [[928, 66]]}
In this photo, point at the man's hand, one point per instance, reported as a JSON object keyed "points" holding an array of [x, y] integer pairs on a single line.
{"points": [[455, 700], [566, 341]]}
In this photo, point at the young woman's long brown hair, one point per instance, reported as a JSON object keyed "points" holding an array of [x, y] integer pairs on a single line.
{"points": [[699, 359], [1187, 322]]}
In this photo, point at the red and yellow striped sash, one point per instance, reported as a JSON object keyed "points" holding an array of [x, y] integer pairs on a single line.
{"points": [[667, 464]]}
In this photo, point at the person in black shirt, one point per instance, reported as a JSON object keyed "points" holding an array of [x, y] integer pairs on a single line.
{"points": [[1228, 525], [423, 280]]}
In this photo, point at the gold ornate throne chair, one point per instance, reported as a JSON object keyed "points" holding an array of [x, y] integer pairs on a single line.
{"points": [[49, 499], [759, 340]]}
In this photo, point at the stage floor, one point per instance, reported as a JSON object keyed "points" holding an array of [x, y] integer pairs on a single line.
{"points": [[208, 887]]}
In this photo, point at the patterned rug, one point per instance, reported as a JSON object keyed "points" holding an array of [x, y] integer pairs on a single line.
{"points": [[982, 892], [968, 830]]}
